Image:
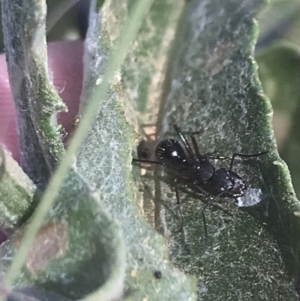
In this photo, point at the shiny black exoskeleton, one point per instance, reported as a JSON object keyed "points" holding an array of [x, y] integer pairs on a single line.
{"points": [[171, 154], [199, 171], [194, 168]]}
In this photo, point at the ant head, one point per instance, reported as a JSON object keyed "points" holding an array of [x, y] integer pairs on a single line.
{"points": [[229, 183], [171, 153]]}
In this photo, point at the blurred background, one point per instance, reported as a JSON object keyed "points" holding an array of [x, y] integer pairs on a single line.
{"points": [[277, 53]]}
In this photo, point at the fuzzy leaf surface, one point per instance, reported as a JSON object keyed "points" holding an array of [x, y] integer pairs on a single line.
{"points": [[104, 161], [16, 193], [36, 101], [78, 251], [252, 252]]}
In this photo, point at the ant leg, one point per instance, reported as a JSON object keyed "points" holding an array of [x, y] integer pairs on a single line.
{"points": [[205, 227], [244, 156], [197, 151], [213, 156], [211, 201], [178, 203], [196, 133], [216, 205], [209, 155], [147, 161], [202, 211], [196, 147], [195, 144], [197, 187], [181, 216], [180, 229], [184, 140]]}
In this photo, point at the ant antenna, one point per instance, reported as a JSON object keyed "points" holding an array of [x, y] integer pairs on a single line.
{"points": [[147, 161], [244, 156]]}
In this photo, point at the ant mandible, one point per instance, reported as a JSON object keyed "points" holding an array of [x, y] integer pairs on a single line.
{"points": [[194, 168]]}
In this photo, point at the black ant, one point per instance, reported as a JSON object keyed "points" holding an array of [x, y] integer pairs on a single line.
{"points": [[194, 168]]}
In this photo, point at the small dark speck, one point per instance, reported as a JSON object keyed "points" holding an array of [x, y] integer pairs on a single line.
{"points": [[157, 274]]}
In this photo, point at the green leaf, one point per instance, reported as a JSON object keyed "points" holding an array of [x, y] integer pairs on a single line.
{"points": [[210, 85], [36, 102], [78, 249], [213, 87], [105, 161], [34, 293], [144, 70], [16, 193]]}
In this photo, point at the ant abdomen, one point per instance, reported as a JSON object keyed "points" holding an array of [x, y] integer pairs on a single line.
{"points": [[171, 154]]}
